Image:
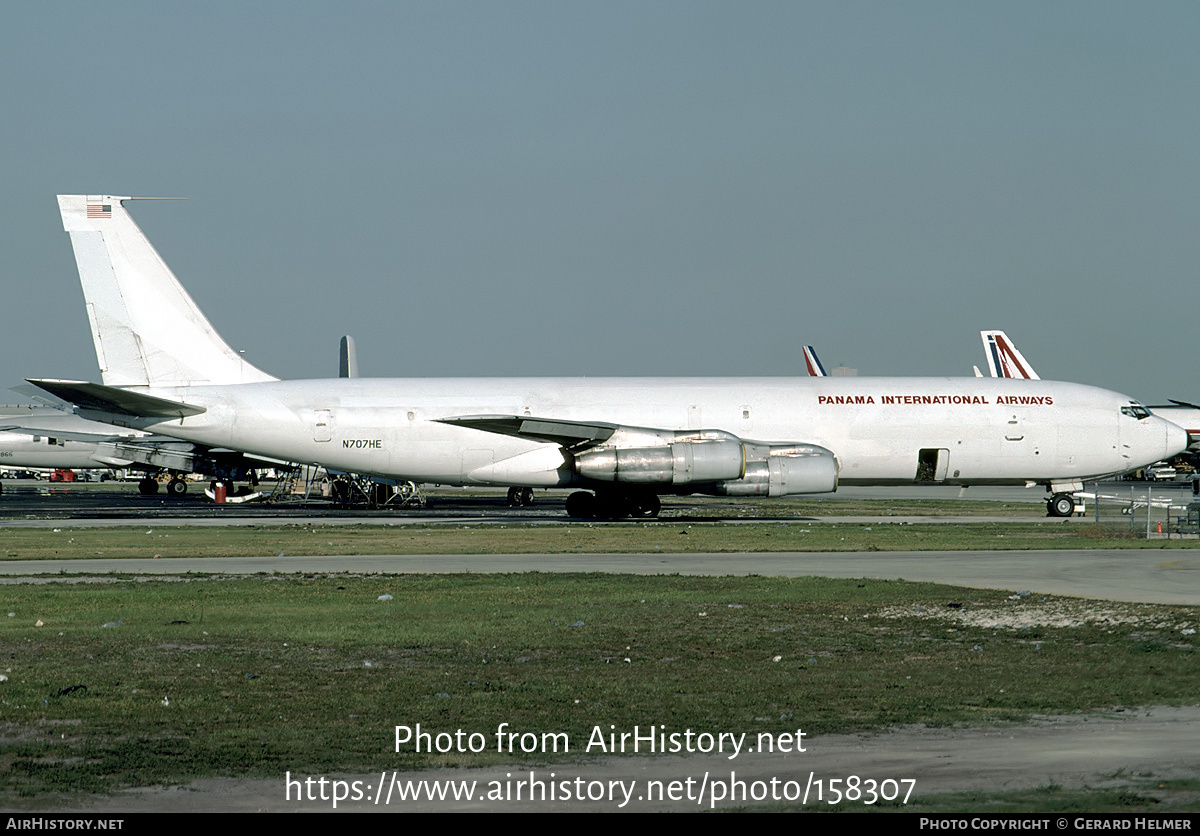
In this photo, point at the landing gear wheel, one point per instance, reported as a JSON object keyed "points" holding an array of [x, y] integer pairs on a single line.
{"points": [[148, 486], [340, 490], [581, 505], [519, 497], [645, 506], [380, 494], [610, 506], [177, 487], [1061, 505]]}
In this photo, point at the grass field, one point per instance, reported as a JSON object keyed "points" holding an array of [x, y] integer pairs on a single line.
{"points": [[143, 682], [138, 683], [667, 536]]}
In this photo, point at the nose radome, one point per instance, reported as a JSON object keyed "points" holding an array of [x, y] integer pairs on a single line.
{"points": [[1176, 439]]}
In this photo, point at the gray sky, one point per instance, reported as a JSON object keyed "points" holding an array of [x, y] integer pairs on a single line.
{"points": [[680, 188]]}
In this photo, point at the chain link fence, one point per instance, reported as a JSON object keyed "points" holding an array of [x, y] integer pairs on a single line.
{"points": [[1146, 509]]}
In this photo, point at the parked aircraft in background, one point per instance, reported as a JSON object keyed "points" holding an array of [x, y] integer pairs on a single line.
{"points": [[1003, 358], [622, 441], [47, 437], [53, 447], [813, 363], [1186, 415]]}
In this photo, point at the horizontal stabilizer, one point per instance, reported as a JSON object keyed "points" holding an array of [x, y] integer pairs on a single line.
{"points": [[95, 396], [570, 434]]}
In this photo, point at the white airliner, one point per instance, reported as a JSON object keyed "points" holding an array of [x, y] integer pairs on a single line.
{"points": [[628, 440], [45, 437]]}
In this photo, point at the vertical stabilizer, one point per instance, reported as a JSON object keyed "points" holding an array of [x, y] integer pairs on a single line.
{"points": [[347, 358], [812, 363], [1003, 358], [147, 330]]}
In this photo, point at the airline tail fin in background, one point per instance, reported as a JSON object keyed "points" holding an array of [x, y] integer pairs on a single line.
{"points": [[813, 364], [1003, 358], [146, 328], [347, 358]]}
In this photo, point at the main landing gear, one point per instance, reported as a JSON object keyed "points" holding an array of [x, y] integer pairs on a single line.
{"points": [[177, 487], [611, 505], [519, 497], [1060, 505]]}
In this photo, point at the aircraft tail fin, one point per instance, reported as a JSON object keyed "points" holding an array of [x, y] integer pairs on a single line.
{"points": [[146, 328], [1003, 358], [347, 358], [813, 363]]}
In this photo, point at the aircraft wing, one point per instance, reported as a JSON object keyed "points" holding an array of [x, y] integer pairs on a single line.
{"points": [[569, 434], [657, 459], [39, 397], [116, 401]]}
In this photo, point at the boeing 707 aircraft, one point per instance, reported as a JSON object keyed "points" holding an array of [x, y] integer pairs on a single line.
{"points": [[623, 442]]}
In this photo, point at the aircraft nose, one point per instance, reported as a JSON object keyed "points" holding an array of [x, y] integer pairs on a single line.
{"points": [[1177, 439]]}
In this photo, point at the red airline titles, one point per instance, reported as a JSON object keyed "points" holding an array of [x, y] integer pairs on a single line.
{"points": [[1003, 400]]}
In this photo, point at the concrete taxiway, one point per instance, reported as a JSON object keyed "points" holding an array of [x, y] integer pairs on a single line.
{"points": [[1140, 575]]}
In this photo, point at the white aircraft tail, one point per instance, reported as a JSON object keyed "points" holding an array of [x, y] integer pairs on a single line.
{"points": [[147, 329], [1003, 358]]}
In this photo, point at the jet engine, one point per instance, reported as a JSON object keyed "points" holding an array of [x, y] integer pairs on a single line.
{"points": [[783, 469], [709, 461], [683, 458]]}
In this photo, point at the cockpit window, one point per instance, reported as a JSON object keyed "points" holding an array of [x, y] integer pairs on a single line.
{"points": [[1135, 410]]}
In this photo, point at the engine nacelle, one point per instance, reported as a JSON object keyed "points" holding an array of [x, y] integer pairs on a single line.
{"points": [[782, 470], [687, 458]]}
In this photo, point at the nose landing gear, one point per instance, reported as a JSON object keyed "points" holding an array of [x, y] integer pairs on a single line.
{"points": [[1060, 505]]}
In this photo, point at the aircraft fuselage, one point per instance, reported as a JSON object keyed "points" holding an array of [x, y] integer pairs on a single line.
{"points": [[958, 431]]}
